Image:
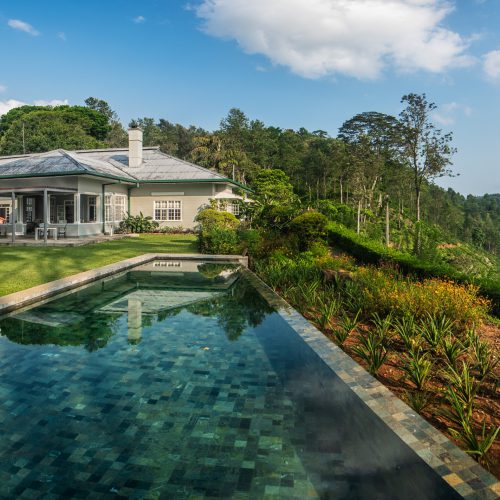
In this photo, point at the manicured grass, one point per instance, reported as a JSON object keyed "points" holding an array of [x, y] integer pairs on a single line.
{"points": [[24, 267]]}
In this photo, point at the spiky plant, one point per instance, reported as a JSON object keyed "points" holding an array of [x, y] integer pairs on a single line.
{"points": [[406, 328], [346, 327], [418, 367], [463, 385], [452, 350], [327, 310], [485, 359], [383, 327], [371, 350], [418, 400], [434, 328]]}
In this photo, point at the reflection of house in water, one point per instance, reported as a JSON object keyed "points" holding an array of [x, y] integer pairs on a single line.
{"points": [[134, 321], [87, 316]]}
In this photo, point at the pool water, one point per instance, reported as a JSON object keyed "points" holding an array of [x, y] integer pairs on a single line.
{"points": [[180, 381]]}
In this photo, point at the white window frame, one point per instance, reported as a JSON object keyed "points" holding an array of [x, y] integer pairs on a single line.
{"points": [[167, 210], [233, 207], [92, 202], [115, 207]]}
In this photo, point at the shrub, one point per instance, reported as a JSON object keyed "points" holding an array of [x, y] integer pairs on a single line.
{"points": [[251, 240], [385, 292], [210, 219], [219, 241], [372, 252], [310, 227], [217, 232], [137, 224]]}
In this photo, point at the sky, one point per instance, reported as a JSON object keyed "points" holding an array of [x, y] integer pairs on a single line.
{"points": [[289, 63]]}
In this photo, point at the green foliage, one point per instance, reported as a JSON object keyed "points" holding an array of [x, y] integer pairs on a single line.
{"points": [[417, 367], [418, 400], [273, 187], [138, 224], [485, 360], [406, 328], [371, 350], [310, 227], [463, 385], [209, 219], [346, 327], [452, 350], [327, 310], [219, 240], [435, 328], [372, 252], [460, 414], [383, 327], [217, 233]]}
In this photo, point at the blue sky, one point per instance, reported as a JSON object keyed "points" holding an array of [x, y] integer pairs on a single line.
{"points": [[290, 63]]}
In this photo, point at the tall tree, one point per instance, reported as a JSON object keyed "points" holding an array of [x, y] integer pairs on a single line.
{"points": [[426, 149]]}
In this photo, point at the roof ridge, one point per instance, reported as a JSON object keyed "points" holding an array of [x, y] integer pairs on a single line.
{"points": [[74, 160], [106, 162]]}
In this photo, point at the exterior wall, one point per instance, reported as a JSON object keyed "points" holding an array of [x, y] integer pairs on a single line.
{"points": [[193, 197]]}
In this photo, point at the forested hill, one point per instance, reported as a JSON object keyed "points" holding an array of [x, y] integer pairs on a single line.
{"points": [[366, 173]]}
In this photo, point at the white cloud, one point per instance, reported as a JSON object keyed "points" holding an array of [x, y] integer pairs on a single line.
{"points": [[491, 65], [3, 88], [359, 38], [449, 113], [139, 19], [62, 36], [6, 106], [23, 26]]}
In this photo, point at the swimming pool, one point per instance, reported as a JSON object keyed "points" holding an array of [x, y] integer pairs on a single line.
{"points": [[179, 380]]}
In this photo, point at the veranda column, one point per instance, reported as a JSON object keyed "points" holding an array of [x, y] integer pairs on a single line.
{"points": [[76, 213], [45, 213], [13, 216]]}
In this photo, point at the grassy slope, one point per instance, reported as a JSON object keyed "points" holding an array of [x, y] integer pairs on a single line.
{"points": [[24, 267]]}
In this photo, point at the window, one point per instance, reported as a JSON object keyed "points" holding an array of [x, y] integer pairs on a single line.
{"points": [[114, 207], [233, 207], [29, 209], [120, 210], [167, 210], [92, 208]]}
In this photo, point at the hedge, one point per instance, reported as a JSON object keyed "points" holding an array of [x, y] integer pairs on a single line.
{"points": [[372, 252]]}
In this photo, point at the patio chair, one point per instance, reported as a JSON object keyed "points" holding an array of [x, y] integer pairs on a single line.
{"points": [[61, 230]]}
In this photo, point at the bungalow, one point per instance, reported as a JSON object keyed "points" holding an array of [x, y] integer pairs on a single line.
{"points": [[89, 192]]}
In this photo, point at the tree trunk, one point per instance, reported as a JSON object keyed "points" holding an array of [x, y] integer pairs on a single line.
{"points": [[359, 217], [341, 191], [387, 235]]}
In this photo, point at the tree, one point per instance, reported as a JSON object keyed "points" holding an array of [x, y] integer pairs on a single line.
{"points": [[424, 147], [40, 131]]}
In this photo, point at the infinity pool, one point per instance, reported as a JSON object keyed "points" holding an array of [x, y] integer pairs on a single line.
{"points": [[177, 380]]}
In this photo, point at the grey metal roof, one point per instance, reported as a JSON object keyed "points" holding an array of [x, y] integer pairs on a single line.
{"points": [[113, 163], [156, 166], [59, 162]]}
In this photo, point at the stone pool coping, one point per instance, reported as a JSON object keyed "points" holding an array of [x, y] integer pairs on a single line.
{"points": [[460, 471], [29, 296]]}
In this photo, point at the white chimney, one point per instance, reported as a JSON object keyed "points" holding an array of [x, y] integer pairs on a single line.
{"points": [[134, 147]]}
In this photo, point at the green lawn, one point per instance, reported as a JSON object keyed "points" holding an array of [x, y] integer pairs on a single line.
{"points": [[24, 267]]}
